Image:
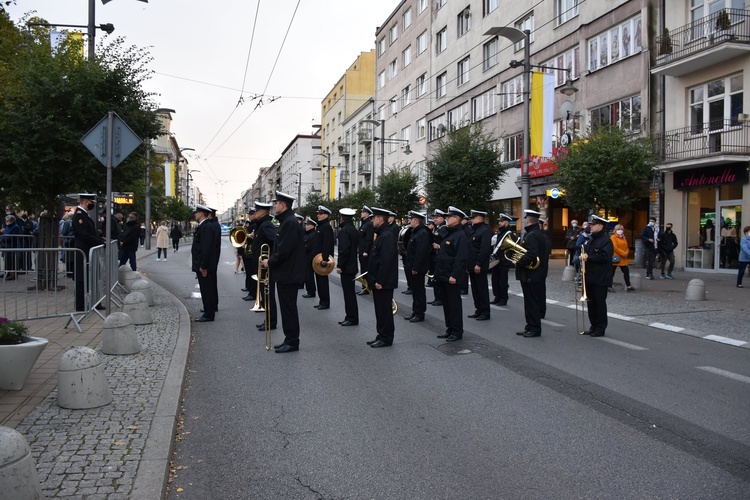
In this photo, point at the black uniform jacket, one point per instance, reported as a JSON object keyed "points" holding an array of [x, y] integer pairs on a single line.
{"points": [[348, 245], [366, 230], [325, 242], [217, 243], [599, 262], [130, 235], [501, 254], [419, 249], [287, 264], [264, 233], [383, 264], [535, 244], [480, 248], [453, 254], [204, 247], [84, 231], [311, 238]]}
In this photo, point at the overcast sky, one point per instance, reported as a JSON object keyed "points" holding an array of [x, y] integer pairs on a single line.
{"points": [[200, 51]]}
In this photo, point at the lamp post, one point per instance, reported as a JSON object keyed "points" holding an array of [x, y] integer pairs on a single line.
{"points": [[328, 173], [148, 182], [92, 26], [187, 184], [382, 143]]}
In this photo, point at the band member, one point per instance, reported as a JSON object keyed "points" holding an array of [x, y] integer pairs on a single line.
{"points": [[598, 258], [324, 245], [249, 261], [404, 233], [286, 268], [466, 221], [300, 219], [500, 271], [85, 238], [206, 261], [311, 237], [217, 246], [438, 216], [393, 225], [265, 233], [418, 262], [366, 232], [383, 274], [532, 280], [450, 274], [548, 244], [478, 264], [347, 265]]}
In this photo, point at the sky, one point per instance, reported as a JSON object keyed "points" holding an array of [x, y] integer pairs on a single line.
{"points": [[205, 53]]}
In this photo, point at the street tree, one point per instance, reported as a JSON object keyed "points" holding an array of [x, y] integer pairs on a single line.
{"points": [[608, 171], [465, 170], [397, 190]]}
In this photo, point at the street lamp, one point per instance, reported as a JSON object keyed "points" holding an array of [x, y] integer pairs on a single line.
{"points": [[328, 173], [92, 26], [187, 185], [179, 161], [148, 179]]}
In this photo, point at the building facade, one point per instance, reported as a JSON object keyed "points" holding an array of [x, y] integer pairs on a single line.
{"points": [[300, 170]]}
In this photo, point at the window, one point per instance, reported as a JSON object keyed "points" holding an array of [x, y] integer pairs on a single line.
{"points": [[406, 56], [381, 79], [489, 6], [422, 42], [441, 3], [393, 33], [406, 96], [704, 8], [442, 40], [570, 60], [381, 46], [566, 10], [392, 143], [381, 112], [441, 84], [490, 54], [421, 128], [394, 105], [527, 23], [436, 128], [617, 43], [421, 6], [512, 148], [421, 85], [722, 99], [483, 106], [511, 92], [625, 114], [459, 117], [463, 22], [463, 71], [405, 135], [393, 69], [421, 171], [407, 18]]}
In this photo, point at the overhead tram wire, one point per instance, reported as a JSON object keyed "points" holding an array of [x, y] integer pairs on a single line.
{"points": [[249, 50]]}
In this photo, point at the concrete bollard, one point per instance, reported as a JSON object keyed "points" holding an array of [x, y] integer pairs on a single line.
{"points": [[18, 476], [635, 280], [144, 287], [129, 278], [81, 381], [569, 273], [136, 306], [121, 271], [118, 335], [696, 290]]}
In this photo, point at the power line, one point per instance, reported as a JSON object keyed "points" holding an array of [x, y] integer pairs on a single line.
{"points": [[249, 50]]}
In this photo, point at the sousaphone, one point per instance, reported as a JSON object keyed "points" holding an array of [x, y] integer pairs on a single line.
{"points": [[319, 268]]}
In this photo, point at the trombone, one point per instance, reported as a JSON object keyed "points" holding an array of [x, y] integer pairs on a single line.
{"points": [[263, 278], [362, 278], [583, 298]]}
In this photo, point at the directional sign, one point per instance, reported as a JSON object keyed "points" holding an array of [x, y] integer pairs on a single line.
{"points": [[124, 140]]}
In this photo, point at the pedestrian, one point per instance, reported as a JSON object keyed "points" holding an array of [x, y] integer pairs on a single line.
{"points": [[649, 238], [478, 265], [346, 267], [324, 246], [162, 240], [744, 257], [366, 231], [597, 256], [383, 276], [11, 241], [450, 274], [142, 234], [620, 251], [311, 238], [418, 262], [531, 271], [571, 237], [85, 238], [286, 267], [500, 271], [176, 235], [129, 241], [265, 234], [667, 244], [205, 261]]}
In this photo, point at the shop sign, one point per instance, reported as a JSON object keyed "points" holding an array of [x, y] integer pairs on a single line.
{"points": [[540, 166], [711, 176]]}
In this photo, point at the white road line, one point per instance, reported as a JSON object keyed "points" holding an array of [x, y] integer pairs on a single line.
{"points": [[619, 316], [572, 306], [725, 340], [663, 326], [196, 295], [724, 373], [622, 344], [551, 323], [550, 301]]}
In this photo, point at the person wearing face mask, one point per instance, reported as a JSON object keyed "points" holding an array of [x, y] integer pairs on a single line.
{"points": [[667, 244], [85, 238], [649, 237], [129, 241], [744, 257], [620, 256], [571, 237], [598, 258]]}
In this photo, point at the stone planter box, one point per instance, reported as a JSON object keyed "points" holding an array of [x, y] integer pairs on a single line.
{"points": [[16, 362]]}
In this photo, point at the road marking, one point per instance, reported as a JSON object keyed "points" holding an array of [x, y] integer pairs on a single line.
{"points": [[622, 344], [196, 295], [619, 316], [724, 373], [551, 323], [663, 326], [550, 301], [725, 340]]}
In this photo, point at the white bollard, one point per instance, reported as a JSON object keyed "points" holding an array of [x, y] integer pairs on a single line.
{"points": [[129, 278], [136, 306], [18, 476], [118, 335], [121, 271], [144, 287], [569, 273], [696, 290], [635, 280], [81, 381]]}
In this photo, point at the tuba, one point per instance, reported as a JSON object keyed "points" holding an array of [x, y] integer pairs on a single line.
{"points": [[513, 251], [362, 278]]}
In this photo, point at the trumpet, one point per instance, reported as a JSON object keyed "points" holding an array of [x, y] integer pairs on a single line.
{"points": [[239, 238], [362, 278], [263, 278], [513, 251], [583, 298]]}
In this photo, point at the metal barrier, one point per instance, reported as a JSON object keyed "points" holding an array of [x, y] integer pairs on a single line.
{"points": [[97, 282]]}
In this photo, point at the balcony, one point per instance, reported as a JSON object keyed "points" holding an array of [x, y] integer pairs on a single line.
{"points": [[364, 136], [716, 142], [706, 42], [343, 149], [364, 167]]}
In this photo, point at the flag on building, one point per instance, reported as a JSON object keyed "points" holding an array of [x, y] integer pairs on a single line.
{"points": [[169, 178], [542, 113]]}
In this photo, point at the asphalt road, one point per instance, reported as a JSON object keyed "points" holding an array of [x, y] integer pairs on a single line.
{"points": [[640, 413]]}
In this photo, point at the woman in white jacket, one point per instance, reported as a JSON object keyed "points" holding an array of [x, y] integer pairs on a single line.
{"points": [[162, 240]]}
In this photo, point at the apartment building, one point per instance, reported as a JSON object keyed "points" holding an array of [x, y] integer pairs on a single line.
{"points": [[358, 151], [300, 167]]}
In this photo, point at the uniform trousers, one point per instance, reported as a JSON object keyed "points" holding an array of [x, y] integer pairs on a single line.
{"points": [[500, 283], [310, 279], [480, 292], [323, 291], [209, 293], [364, 262], [418, 293], [289, 314], [350, 298], [384, 314], [597, 305], [533, 298], [250, 283], [439, 295], [80, 277], [272, 313], [452, 307]]}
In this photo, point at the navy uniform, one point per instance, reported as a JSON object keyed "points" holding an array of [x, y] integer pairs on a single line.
{"points": [[478, 265], [324, 245], [598, 259], [437, 237], [532, 280], [85, 238], [205, 261], [249, 262], [348, 238], [467, 230], [500, 285], [366, 232], [383, 277], [417, 261], [265, 234], [311, 238], [450, 274]]}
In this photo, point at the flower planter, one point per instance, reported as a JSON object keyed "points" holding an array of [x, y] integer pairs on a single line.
{"points": [[16, 362]]}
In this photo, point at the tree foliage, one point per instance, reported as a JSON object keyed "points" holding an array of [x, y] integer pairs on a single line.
{"points": [[353, 200], [175, 209], [465, 170], [397, 190], [608, 171]]}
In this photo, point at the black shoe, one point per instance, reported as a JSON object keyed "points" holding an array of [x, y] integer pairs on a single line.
{"points": [[248, 298], [437, 303], [245, 289], [445, 335], [523, 332], [262, 327], [286, 348], [483, 317], [453, 338], [475, 315], [320, 307], [308, 296], [203, 319], [410, 316], [361, 292], [416, 318], [379, 343], [278, 345], [597, 334], [407, 292], [587, 332], [348, 323], [500, 303], [370, 342], [532, 334]]}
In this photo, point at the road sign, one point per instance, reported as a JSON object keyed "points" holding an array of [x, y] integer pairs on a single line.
{"points": [[124, 140]]}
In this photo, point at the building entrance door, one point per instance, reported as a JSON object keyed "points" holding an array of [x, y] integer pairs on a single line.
{"points": [[730, 232]]}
